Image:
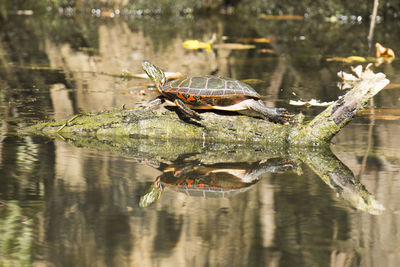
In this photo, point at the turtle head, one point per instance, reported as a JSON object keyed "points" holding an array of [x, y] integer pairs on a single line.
{"points": [[156, 74]]}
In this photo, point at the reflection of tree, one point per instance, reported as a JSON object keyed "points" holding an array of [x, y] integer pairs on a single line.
{"points": [[17, 235]]}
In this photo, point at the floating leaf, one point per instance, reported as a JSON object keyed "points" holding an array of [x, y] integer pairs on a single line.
{"points": [[281, 17], [383, 51], [350, 59], [381, 114], [234, 46], [252, 81], [261, 40], [310, 103], [267, 51], [383, 55], [196, 44], [380, 111], [392, 86]]}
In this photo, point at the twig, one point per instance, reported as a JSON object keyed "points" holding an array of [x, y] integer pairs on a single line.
{"points": [[372, 25], [69, 121]]}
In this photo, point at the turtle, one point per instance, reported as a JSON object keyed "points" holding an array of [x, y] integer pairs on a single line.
{"points": [[211, 92]]}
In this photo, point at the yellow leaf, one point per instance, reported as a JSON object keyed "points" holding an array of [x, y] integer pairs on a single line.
{"points": [[196, 44], [356, 59]]}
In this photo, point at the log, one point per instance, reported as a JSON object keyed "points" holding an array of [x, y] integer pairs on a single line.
{"points": [[166, 123]]}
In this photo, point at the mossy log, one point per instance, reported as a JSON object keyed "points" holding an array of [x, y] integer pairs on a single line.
{"points": [[164, 123]]}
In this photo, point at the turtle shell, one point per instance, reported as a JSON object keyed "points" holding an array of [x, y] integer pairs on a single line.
{"points": [[209, 90]]}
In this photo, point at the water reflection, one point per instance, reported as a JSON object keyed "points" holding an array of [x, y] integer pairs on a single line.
{"points": [[218, 180]]}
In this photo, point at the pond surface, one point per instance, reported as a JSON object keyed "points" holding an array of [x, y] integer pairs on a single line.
{"points": [[219, 205]]}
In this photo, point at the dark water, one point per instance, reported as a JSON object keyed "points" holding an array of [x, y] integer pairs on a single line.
{"points": [[63, 205]]}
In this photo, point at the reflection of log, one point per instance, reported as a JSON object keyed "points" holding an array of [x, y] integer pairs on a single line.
{"points": [[156, 152], [340, 178], [166, 124]]}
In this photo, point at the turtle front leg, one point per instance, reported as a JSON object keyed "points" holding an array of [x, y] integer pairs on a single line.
{"points": [[186, 110], [280, 115]]}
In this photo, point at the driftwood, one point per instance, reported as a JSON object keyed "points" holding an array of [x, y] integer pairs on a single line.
{"points": [[167, 124]]}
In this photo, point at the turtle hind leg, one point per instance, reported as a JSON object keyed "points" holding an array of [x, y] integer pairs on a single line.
{"points": [[279, 115], [186, 110]]}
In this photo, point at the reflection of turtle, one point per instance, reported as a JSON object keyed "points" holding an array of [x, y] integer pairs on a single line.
{"points": [[211, 92], [212, 181]]}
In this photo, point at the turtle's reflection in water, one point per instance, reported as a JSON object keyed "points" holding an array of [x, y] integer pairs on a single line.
{"points": [[218, 180]]}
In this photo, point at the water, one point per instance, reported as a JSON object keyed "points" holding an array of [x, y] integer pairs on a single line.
{"points": [[63, 205]]}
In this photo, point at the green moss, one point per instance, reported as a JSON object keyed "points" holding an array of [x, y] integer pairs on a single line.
{"points": [[167, 125]]}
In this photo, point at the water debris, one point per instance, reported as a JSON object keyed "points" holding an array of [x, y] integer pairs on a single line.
{"points": [[260, 40], [281, 17], [350, 59], [392, 86], [388, 114], [88, 49], [383, 55], [39, 67], [267, 51], [252, 81], [27, 12], [196, 44], [233, 46], [349, 80], [311, 103], [128, 75], [383, 51]]}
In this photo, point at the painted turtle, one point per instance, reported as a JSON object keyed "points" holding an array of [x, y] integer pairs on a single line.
{"points": [[211, 92]]}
